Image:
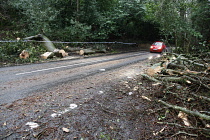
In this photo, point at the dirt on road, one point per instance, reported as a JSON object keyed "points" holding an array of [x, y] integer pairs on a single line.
{"points": [[106, 106]]}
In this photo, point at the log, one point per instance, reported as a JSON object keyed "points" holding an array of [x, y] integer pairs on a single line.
{"points": [[175, 79], [72, 49], [60, 53], [86, 51], [184, 118], [171, 72], [81, 52], [48, 44], [101, 50], [47, 55], [155, 69], [49, 47], [24, 54], [175, 66], [194, 113], [149, 78]]}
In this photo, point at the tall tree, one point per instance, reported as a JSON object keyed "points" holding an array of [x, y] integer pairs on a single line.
{"points": [[38, 15], [174, 18], [201, 18]]}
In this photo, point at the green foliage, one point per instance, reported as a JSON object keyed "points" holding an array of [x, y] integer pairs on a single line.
{"points": [[8, 15], [10, 52], [105, 137], [76, 31], [201, 18], [37, 16], [82, 20], [175, 21], [182, 22]]}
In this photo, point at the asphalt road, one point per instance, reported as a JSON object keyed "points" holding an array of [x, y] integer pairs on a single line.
{"points": [[18, 82]]}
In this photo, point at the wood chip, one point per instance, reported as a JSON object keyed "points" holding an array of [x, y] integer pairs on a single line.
{"points": [[65, 130]]}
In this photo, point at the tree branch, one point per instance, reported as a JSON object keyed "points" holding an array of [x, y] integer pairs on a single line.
{"points": [[203, 116]]}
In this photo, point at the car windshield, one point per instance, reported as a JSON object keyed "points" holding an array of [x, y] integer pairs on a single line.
{"points": [[157, 43]]}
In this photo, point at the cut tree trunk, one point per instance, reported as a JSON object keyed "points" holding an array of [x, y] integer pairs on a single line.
{"points": [[86, 51], [60, 53], [24, 54], [48, 44], [47, 55], [72, 49], [49, 47]]}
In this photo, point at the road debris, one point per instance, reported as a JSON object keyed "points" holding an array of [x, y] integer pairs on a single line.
{"points": [[32, 125], [72, 106], [65, 130]]}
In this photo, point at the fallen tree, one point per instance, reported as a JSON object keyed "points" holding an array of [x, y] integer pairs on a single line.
{"points": [[186, 81], [46, 42], [49, 46]]}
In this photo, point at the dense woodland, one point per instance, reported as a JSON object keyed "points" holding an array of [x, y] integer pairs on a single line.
{"points": [[183, 23], [179, 81]]}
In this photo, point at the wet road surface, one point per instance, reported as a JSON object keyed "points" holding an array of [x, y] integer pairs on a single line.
{"points": [[18, 82]]}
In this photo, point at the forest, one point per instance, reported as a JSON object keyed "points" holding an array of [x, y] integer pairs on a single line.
{"points": [[176, 85], [184, 24]]}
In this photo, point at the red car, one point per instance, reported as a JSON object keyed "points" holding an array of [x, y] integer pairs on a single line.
{"points": [[158, 47]]}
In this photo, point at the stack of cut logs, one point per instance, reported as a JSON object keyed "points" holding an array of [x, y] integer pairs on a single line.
{"points": [[49, 46], [52, 51]]}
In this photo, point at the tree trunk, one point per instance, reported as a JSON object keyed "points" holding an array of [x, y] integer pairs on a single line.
{"points": [[47, 43], [47, 55], [24, 54], [78, 9], [86, 51], [72, 49]]}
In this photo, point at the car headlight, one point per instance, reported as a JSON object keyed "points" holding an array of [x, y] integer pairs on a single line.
{"points": [[160, 47]]}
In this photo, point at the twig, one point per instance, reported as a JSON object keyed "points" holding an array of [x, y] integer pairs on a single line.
{"points": [[207, 112], [203, 116], [150, 111], [7, 135], [194, 63], [182, 132], [196, 81], [186, 127], [175, 94], [201, 97], [105, 109]]}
